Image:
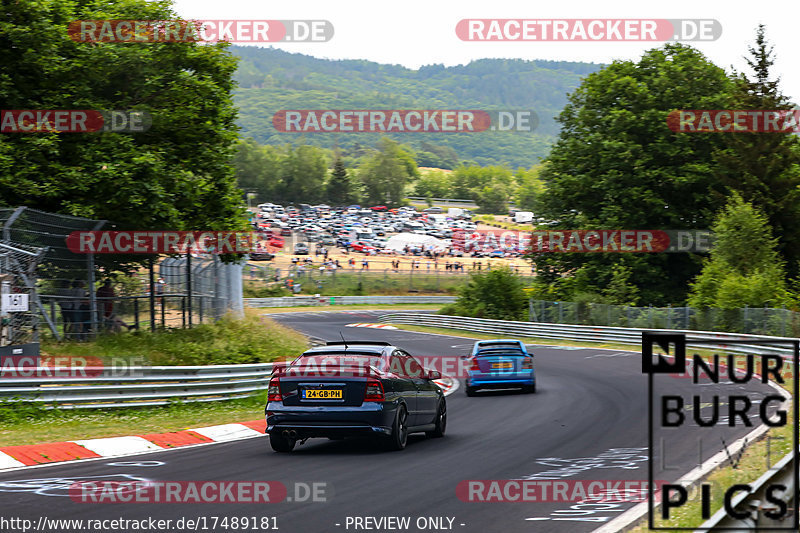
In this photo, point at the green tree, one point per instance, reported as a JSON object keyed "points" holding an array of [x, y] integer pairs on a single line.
{"points": [[175, 175], [385, 174], [492, 199], [744, 267], [339, 188], [303, 172], [469, 181], [496, 293], [434, 184], [616, 165], [528, 190], [764, 167], [258, 169], [621, 290]]}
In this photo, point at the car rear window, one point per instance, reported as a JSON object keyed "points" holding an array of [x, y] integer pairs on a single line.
{"points": [[500, 349], [499, 346], [340, 359]]}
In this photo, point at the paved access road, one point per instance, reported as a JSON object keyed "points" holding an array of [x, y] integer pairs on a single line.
{"points": [[587, 421]]}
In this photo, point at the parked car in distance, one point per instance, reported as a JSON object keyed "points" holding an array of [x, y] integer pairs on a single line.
{"points": [[261, 256], [301, 248]]}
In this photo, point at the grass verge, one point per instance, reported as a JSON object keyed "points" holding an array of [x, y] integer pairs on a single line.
{"points": [[254, 339], [377, 282], [251, 340], [31, 425]]}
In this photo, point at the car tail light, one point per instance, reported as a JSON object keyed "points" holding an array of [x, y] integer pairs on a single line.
{"points": [[474, 366], [527, 363], [274, 391], [374, 391]]}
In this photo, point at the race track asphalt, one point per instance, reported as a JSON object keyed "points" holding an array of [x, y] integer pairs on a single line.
{"points": [[587, 421]]}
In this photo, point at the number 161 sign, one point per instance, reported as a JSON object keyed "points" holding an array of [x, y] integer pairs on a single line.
{"points": [[14, 303]]}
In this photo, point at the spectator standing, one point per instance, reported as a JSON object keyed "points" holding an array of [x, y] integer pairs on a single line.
{"points": [[80, 309], [67, 308], [105, 297]]}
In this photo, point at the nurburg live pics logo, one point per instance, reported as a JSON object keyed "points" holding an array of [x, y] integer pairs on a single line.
{"points": [[665, 354]]}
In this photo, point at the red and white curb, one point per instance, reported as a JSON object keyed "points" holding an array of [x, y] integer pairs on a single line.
{"points": [[56, 452], [368, 325], [12, 457]]}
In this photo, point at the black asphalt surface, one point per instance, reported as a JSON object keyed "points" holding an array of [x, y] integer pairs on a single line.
{"points": [[587, 421]]}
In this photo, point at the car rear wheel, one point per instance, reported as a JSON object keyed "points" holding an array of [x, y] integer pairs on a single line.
{"points": [[399, 437], [441, 422], [280, 443], [471, 391], [530, 389]]}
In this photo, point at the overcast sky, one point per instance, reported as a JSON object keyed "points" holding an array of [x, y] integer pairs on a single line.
{"points": [[422, 32]]}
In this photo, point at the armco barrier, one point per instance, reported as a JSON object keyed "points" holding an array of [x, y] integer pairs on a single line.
{"points": [[583, 333], [782, 472], [133, 386], [292, 301], [139, 386]]}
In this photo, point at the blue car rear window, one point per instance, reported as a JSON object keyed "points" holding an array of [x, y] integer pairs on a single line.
{"points": [[495, 352]]}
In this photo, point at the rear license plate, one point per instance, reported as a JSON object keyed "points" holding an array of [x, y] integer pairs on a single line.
{"points": [[501, 365], [322, 394]]}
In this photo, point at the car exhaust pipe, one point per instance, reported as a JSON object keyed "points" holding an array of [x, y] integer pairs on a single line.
{"points": [[289, 433]]}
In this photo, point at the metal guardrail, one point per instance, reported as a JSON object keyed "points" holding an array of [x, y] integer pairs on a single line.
{"points": [[783, 471], [755, 503], [585, 333], [292, 301], [97, 387]]}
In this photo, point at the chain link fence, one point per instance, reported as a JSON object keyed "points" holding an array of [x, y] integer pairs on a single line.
{"points": [[753, 320], [18, 317], [76, 296]]}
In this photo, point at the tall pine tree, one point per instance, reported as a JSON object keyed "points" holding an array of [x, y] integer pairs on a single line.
{"points": [[339, 190], [764, 167]]}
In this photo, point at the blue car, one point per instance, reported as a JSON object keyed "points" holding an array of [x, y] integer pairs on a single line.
{"points": [[500, 364], [357, 388]]}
